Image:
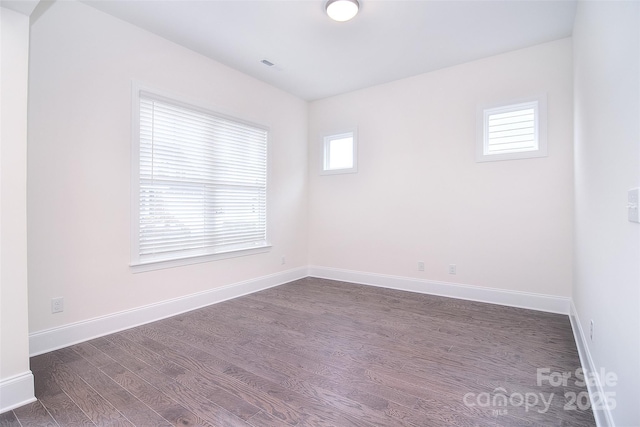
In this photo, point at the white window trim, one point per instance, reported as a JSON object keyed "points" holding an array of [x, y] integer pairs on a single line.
{"points": [[138, 266], [196, 259], [327, 137], [541, 120]]}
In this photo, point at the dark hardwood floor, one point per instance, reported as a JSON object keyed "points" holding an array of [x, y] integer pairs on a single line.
{"points": [[317, 353]]}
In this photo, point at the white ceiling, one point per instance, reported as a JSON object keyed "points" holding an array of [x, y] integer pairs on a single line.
{"points": [[315, 57], [24, 7]]}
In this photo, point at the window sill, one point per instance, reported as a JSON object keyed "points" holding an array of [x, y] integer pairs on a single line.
{"points": [[511, 156], [338, 171], [194, 259]]}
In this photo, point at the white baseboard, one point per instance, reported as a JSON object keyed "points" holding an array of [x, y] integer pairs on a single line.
{"points": [[16, 391], [64, 336], [540, 302], [603, 416]]}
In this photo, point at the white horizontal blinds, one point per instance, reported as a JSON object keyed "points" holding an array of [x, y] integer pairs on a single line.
{"points": [[511, 129], [203, 182]]}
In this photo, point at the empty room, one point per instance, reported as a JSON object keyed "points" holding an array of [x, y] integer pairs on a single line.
{"points": [[319, 213]]}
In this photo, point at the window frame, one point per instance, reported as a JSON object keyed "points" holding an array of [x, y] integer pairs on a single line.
{"points": [[483, 112], [326, 143], [136, 263]]}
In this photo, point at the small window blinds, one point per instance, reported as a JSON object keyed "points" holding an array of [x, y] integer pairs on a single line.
{"points": [[511, 129]]}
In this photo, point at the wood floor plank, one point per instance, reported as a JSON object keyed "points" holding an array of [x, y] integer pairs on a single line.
{"points": [[438, 358], [207, 402], [186, 406], [66, 412], [313, 385], [395, 411], [128, 405], [364, 355], [190, 376], [315, 352], [461, 393], [399, 413], [257, 389], [89, 400], [262, 419], [241, 374], [460, 333], [34, 415], [210, 371], [216, 381], [9, 419], [168, 409], [426, 308], [429, 400], [92, 355], [63, 409]]}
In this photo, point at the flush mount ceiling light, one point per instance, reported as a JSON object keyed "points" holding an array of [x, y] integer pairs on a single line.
{"points": [[342, 10]]}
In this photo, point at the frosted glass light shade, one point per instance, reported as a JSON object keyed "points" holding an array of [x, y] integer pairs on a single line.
{"points": [[342, 10]]}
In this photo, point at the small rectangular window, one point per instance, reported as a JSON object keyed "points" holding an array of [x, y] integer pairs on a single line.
{"points": [[200, 182], [340, 153], [513, 131]]}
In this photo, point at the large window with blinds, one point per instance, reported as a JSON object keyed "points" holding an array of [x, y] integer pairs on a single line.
{"points": [[512, 131], [200, 183]]}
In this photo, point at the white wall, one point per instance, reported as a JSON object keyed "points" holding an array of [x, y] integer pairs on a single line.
{"points": [[82, 65], [419, 195], [16, 381], [607, 163]]}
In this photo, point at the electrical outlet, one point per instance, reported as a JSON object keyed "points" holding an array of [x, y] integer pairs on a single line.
{"points": [[420, 265], [591, 330], [57, 305], [452, 269], [284, 260]]}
